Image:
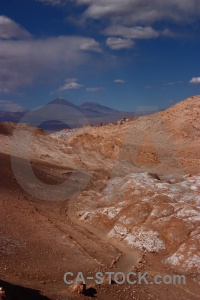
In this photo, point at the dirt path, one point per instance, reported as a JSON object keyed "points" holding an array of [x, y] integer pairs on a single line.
{"points": [[126, 259]]}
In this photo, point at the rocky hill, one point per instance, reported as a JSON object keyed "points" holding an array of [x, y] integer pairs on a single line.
{"points": [[117, 197]]}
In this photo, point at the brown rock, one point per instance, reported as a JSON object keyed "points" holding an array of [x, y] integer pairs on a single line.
{"points": [[78, 288]]}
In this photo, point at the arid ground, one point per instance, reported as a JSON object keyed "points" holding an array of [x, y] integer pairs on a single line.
{"points": [[118, 197]]}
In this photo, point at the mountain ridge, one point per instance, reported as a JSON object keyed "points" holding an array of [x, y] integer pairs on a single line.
{"points": [[89, 112]]}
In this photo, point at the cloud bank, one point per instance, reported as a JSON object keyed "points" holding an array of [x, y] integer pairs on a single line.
{"points": [[27, 60], [142, 11]]}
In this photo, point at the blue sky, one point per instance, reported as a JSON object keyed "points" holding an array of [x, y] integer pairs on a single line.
{"points": [[119, 53]]}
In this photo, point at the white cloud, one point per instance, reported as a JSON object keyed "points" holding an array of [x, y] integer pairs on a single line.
{"points": [[70, 84], [95, 89], [9, 29], [6, 105], [119, 43], [128, 12], [133, 19], [136, 32], [90, 45], [119, 81], [195, 80], [142, 11], [24, 62]]}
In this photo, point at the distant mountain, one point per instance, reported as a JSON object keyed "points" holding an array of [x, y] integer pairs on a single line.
{"points": [[62, 101], [61, 113], [95, 107], [97, 113]]}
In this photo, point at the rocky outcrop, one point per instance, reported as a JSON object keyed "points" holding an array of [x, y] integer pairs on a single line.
{"points": [[149, 214], [78, 288]]}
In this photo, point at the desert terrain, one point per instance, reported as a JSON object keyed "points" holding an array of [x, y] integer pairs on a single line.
{"points": [[118, 197]]}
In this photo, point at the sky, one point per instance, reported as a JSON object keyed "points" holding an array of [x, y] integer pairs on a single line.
{"points": [[120, 53]]}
